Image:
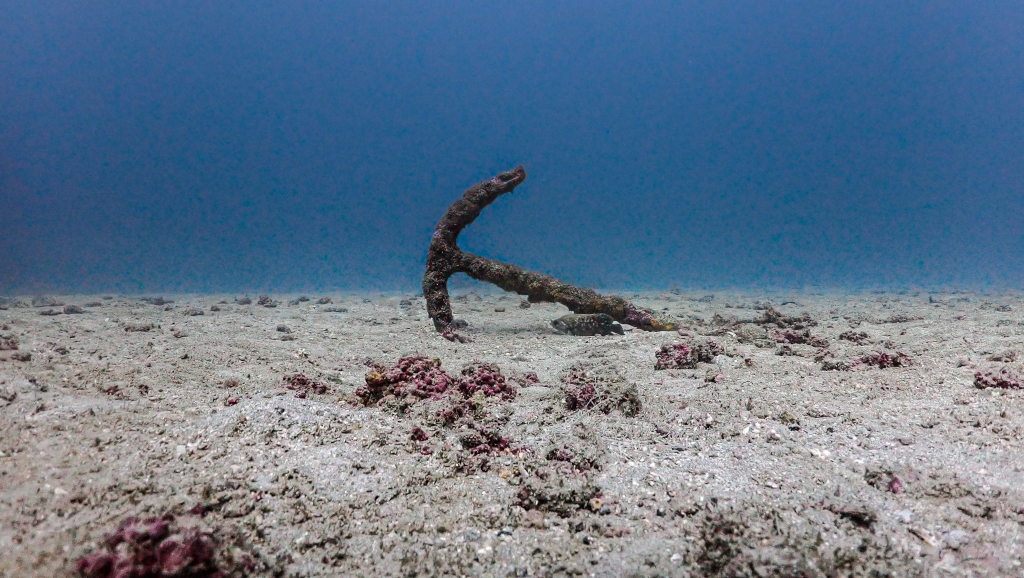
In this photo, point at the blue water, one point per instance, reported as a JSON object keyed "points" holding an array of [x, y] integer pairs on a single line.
{"points": [[297, 145]]}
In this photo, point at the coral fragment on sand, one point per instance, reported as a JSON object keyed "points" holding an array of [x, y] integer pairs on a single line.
{"points": [[302, 385], [804, 337], [563, 495], [685, 356], [1003, 378], [773, 317], [857, 337], [9, 343], [879, 359], [834, 365], [883, 360], [415, 376], [485, 378], [445, 258], [601, 388], [483, 440], [159, 547]]}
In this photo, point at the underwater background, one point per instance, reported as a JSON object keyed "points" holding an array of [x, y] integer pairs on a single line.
{"points": [[298, 145]]}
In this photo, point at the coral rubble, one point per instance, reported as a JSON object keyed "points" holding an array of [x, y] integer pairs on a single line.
{"points": [[599, 387], [1003, 378], [684, 356], [414, 376], [302, 385], [159, 546]]}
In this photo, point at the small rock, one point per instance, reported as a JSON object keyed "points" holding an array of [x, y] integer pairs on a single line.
{"points": [[42, 301], [955, 539], [534, 519], [724, 361], [788, 418], [895, 485], [73, 310]]}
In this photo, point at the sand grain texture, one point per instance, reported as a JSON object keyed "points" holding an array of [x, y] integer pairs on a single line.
{"points": [[759, 463]]}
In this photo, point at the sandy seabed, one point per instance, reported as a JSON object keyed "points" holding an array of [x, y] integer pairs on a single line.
{"points": [[753, 462]]}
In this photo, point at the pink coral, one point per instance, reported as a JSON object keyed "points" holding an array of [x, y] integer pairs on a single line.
{"points": [[684, 356], [487, 378], [580, 397], [152, 548], [895, 485], [1004, 379], [303, 385], [483, 440], [414, 376], [800, 337], [883, 360]]}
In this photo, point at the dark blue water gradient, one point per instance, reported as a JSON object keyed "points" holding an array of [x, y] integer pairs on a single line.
{"points": [[258, 145]]}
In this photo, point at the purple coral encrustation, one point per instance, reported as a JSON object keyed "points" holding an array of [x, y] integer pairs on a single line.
{"points": [[684, 356], [420, 378], [303, 385], [581, 397], [484, 440], [800, 337], [486, 378], [883, 360], [415, 376], [419, 434], [151, 548], [1004, 379]]}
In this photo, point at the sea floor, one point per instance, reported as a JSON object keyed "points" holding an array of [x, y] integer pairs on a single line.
{"points": [[752, 461]]}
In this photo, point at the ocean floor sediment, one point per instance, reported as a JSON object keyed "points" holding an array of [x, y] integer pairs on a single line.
{"points": [[339, 434]]}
